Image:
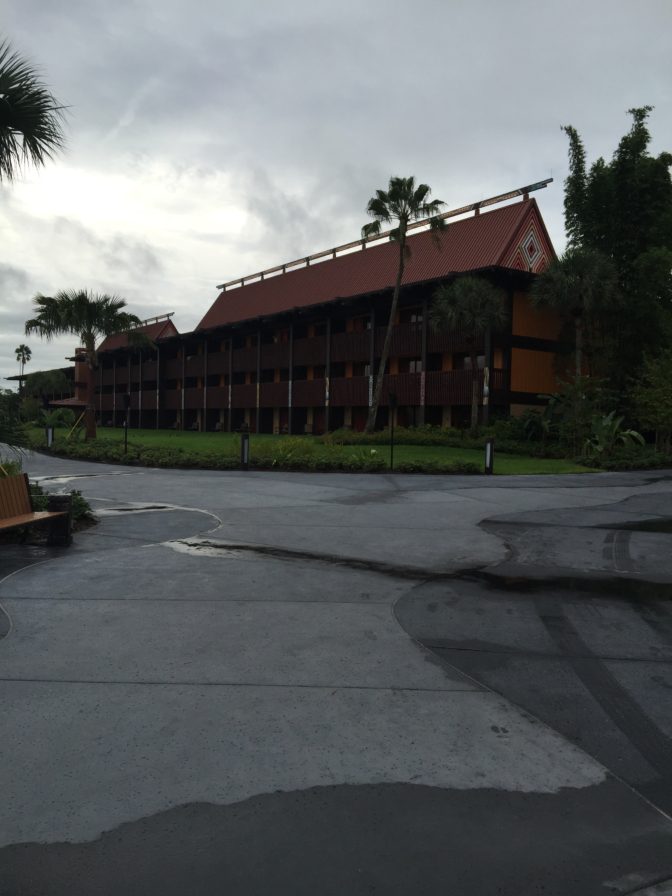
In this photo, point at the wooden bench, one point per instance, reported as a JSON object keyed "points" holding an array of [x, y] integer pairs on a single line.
{"points": [[16, 511]]}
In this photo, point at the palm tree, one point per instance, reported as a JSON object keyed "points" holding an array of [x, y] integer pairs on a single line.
{"points": [[474, 306], [402, 203], [31, 119], [23, 356], [582, 285], [88, 316]]}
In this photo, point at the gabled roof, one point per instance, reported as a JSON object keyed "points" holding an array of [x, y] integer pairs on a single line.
{"points": [[161, 329], [511, 236]]}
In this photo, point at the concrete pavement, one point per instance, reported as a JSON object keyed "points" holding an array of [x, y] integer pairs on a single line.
{"points": [[215, 689]]}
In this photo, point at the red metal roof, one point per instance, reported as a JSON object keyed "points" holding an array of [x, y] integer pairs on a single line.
{"points": [[474, 243], [158, 330]]}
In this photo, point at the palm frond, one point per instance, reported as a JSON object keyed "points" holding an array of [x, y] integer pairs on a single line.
{"points": [[31, 119], [80, 312], [471, 304], [371, 230]]}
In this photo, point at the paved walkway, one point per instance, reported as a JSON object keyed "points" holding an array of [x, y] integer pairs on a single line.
{"points": [[286, 683]]}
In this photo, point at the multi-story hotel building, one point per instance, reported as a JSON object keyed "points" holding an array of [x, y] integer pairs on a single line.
{"points": [[295, 349]]}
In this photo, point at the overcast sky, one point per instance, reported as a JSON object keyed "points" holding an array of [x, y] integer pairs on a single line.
{"points": [[210, 139]]}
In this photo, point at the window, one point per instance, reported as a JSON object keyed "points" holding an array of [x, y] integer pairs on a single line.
{"points": [[410, 365], [463, 362]]}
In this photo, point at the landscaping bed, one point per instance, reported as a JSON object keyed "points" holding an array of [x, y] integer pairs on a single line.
{"points": [[414, 452]]}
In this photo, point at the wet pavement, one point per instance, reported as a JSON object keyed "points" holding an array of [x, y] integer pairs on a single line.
{"points": [[288, 683]]}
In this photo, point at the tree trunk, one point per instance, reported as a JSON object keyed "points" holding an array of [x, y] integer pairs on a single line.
{"points": [[373, 410], [90, 412], [578, 331], [474, 393]]}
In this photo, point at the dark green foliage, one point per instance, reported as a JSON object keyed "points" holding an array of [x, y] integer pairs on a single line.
{"points": [[632, 458], [89, 317], [59, 418], [47, 383], [81, 509], [582, 286], [474, 306], [651, 398], [575, 189], [11, 428], [623, 209]]}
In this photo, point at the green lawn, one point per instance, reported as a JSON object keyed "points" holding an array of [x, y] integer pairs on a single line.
{"points": [[211, 443]]}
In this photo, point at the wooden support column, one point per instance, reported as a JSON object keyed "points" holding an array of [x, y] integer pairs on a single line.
{"points": [[114, 390], [372, 354], [291, 376], [258, 377], [158, 385], [139, 388], [184, 367], [230, 382], [205, 384], [423, 362], [327, 375]]}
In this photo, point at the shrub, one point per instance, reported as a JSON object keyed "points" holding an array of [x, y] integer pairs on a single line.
{"points": [[631, 458]]}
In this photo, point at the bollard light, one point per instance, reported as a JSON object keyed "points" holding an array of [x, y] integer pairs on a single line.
{"points": [[489, 456], [127, 404], [244, 450]]}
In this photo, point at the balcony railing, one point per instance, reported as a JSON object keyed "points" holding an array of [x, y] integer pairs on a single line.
{"points": [[149, 371], [172, 399], [310, 351], [351, 346], [406, 340], [193, 398], [346, 392], [274, 355], [274, 395], [244, 396], [193, 366], [218, 362], [172, 369], [244, 360], [308, 393], [218, 397]]}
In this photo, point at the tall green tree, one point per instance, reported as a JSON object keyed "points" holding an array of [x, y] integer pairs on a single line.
{"points": [[582, 286], [31, 119], [23, 356], [88, 316], [651, 397], [474, 306], [623, 209], [402, 203]]}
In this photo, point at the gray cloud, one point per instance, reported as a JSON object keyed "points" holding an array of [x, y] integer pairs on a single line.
{"points": [[12, 280], [131, 255], [256, 134]]}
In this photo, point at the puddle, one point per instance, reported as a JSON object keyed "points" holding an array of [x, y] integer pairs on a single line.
{"points": [[657, 525], [616, 588], [137, 509]]}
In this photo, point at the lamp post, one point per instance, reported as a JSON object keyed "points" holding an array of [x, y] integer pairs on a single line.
{"points": [[127, 404]]}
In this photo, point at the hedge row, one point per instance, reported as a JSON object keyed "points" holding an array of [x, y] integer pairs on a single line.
{"points": [[289, 454]]}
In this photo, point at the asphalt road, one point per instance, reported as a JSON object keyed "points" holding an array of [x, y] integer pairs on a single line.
{"points": [[282, 683]]}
